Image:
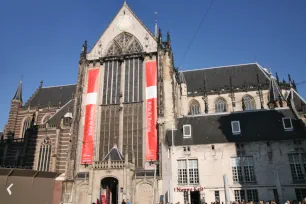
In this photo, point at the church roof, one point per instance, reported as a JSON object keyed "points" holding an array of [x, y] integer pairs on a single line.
{"points": [[218, 77], [51, 96], [259, 125], [114, 154], [67, 108]]}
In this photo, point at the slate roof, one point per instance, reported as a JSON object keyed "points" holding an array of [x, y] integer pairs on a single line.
{"points": [[114, 154], [261, 125], [219, 77], [56, 118], [51, 96]]}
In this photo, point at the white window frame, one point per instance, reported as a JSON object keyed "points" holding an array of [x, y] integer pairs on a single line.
{"points": [[236, 132], [188, 173], [243, 163], [290, 128], [184, 135]]}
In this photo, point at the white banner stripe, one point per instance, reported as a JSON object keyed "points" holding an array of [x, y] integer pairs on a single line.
{"points": [[91, 98], [151, 92]]}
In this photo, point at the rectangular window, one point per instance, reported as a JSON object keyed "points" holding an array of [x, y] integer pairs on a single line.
{"points": [[186, 197], [252, 195], [217, 196], [193, 171], [186, 131], [287, 123], [239, 195], [246, 195], [236, 127], [182, 171], [300, 194], [243, 169], [297, 166], [188, 172]]}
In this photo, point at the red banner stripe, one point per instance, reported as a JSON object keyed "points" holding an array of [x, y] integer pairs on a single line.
{"points": [[151, 110], [90, 114]]}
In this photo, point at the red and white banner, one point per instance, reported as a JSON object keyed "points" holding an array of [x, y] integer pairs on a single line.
{"points": [[151, 114], [90, 116]]}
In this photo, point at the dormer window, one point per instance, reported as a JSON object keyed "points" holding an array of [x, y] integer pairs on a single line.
{"points": [[186, 131], [287, 123], [236, 127], [67, 119]]}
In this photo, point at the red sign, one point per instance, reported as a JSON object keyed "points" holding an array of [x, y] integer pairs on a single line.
{"points": [[179, 189], [90, 114], [151, 111]]}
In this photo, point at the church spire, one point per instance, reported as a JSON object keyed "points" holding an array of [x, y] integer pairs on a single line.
{"points": [[18, 94], [156, 33]]}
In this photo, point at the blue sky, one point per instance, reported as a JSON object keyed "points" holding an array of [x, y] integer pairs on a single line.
{"points": [[42, 40]]}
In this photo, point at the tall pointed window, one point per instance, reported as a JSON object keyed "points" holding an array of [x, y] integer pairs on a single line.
{"points": [[194, 107], [44, 155], [26, 125], [249, 102], [220, 105]]}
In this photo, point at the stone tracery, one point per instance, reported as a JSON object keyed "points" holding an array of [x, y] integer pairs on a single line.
{"points": [[124, 43]]}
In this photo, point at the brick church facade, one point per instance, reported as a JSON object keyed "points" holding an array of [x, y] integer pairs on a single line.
{"points": [[110, 133]]}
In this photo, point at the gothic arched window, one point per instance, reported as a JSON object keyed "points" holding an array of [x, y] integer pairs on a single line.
{"points": [[44, 155], [249, 102], [124, 43], [26, 125], [220, 105], [194, 107]]}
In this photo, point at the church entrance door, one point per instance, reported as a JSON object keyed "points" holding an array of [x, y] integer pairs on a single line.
{"points": [[109, 190]]}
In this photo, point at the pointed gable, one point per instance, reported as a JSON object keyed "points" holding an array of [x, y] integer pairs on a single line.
{"points": [[114, 154], [125, 21]]}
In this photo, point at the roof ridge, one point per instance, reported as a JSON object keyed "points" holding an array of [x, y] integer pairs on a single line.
{"points": [[57, 86], [298, 95], [225, 66], [59, 110], [140, 21]]}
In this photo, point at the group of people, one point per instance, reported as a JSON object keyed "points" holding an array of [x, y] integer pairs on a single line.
{"points": [[251, 202], [126, 202]]}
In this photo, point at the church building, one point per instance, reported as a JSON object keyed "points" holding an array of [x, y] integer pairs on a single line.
{"points": [[135, 127]]}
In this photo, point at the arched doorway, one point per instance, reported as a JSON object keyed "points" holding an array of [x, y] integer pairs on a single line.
{"points": [[109, 190]]}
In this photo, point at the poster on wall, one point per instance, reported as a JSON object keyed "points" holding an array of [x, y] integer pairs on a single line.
{"points": [[151, 111], [90, 116]]}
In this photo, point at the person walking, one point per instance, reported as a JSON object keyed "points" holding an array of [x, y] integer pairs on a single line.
{"points": [[128, 201], [123, 201]]}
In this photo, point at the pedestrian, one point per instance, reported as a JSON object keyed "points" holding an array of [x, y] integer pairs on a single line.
{"points": [[128, 201], [203, 200], [123, 201]]}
